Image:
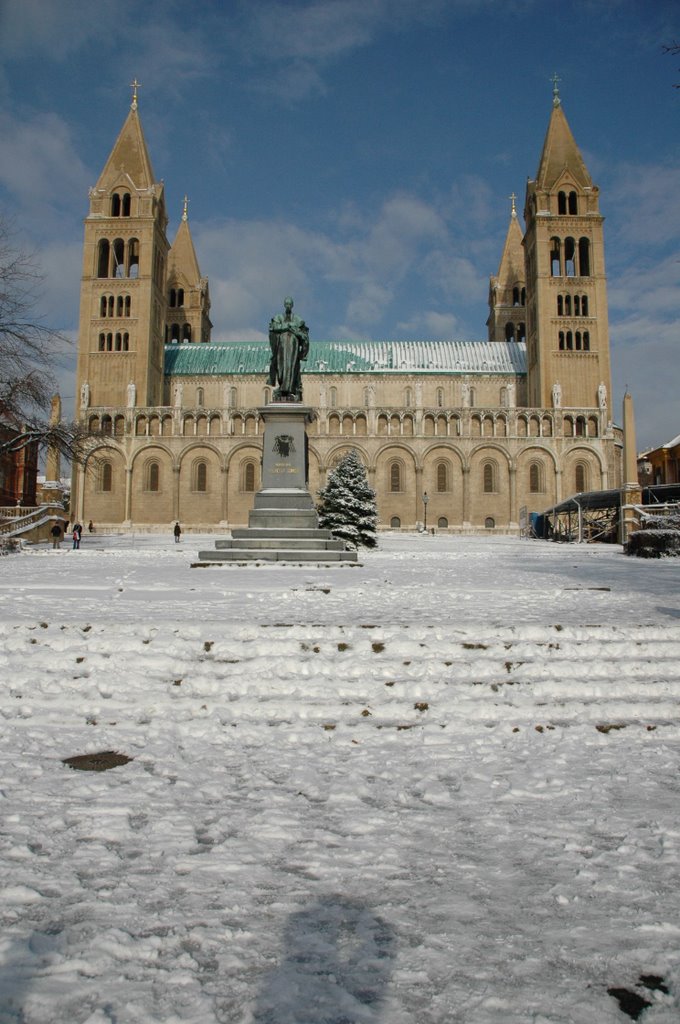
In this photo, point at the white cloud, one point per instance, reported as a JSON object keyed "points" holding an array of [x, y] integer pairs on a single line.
{"points": [[650, 197], [39, 164]]}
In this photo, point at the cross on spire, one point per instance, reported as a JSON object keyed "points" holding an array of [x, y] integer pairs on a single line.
{"points": [[135, 85], [185, 215], [556, 92], [512, 197]]}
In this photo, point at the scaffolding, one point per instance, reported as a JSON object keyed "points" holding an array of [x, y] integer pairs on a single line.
{"points": [[594, 516]]}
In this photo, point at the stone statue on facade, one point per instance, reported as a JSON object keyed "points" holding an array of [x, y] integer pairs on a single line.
{"points": [[289, 342], [557, 395], [602, 396], [84, 395], [131, 395]]}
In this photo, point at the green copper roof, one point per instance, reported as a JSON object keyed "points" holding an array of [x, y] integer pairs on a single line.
{"points": [[234, 357]]}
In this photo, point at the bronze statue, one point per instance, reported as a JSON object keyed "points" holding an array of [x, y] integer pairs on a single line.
{"points": [[289, 342]]}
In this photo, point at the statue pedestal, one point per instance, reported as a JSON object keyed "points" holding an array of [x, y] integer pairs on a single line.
{"points": [[283, 525]]}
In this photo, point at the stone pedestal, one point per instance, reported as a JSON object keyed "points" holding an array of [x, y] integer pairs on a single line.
{"points": [[283, 525]]}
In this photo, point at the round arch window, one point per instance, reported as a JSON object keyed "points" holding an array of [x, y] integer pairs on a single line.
{"points": [[489, 523]]}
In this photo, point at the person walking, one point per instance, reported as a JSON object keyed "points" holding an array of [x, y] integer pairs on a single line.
{"points": [[177, 532], [77, 534], [56, 535], [90, 527]]}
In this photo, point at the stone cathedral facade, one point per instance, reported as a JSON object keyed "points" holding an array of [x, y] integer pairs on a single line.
{"points": [[487, 430]]}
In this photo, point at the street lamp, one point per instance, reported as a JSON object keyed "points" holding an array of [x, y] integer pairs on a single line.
{"points": [[425, 501]]}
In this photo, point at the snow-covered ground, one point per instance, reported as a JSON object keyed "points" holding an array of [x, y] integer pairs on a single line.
{"points": [[441, 786]]}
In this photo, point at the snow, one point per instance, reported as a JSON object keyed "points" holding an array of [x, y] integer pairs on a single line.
{"points": [[439, 786]]}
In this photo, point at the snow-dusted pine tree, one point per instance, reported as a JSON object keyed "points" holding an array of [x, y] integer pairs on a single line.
{"points": [[348, 507]]}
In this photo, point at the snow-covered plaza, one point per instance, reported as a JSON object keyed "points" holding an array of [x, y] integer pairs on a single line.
{"points": [[439, 787]]}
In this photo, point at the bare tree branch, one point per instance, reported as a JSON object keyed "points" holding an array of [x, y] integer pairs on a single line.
{"points": [[71, 440], [27, 344], [673, 49]]}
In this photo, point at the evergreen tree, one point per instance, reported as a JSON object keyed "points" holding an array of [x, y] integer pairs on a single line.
{"points": [[348, 507]]}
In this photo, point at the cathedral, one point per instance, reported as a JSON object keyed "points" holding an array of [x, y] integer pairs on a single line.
{"points": [[463, 436]]}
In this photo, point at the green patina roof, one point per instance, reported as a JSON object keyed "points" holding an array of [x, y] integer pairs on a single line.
{"points": [[247, 357]]}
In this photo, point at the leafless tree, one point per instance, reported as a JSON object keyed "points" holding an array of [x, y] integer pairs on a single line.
{"points": [[28, 350]]}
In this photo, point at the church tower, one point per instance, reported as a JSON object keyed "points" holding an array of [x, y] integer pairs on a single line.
{"points": [[122, 296], [188, 298], [567, 320], [507, 289]]}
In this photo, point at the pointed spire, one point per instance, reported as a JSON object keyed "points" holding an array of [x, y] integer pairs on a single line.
{"points": [[511, 268], [182, 259], [560, 153], [129, 155]]}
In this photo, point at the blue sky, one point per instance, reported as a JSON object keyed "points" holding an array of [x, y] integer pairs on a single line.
{"points": [[356, 153]]}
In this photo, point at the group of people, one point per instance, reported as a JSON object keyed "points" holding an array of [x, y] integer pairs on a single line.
{"points": [[59, 531]]}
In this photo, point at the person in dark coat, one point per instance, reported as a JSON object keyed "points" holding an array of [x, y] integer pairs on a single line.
{"points": [[177, 532], [77, 534], [56, 535]]}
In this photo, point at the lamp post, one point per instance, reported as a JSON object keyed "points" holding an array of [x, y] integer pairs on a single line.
{"points": [[425, 501]]}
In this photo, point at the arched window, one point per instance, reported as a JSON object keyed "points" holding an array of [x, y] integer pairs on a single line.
{"points": [[509, 331], [573, 203], [249, 476], [567, 305], [200, 476], [115, 205], [586, 341], [584, 305], [489, 472], [515, 296], [536, 478], [180, 296], [442, 477], [125, 211], [199, 397], [408, 398], [577, 337], [118, 258], [440, 398], [570, 341], [472, 398], [153, 474], [570, 257], [561, 203], [395, 523], [233, 398], [581, 477], [174, 333], [395, 477], [186, 332], [555, 258], [106, 477], [584, 257], [173, 298], [577, 305], [103, 258], [489, 523], [561, 341], [133, 258], [560, 305], [267, 396], [443, 523]]}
